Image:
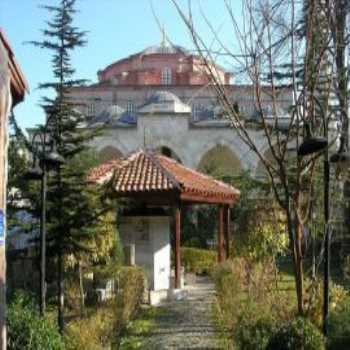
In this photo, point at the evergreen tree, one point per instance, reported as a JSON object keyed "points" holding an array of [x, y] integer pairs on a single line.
{"points": [[72, 210]]}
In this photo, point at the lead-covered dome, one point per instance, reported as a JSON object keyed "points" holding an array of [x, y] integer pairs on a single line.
{"points": [[163, 97], [164, 102], [162, 49]]}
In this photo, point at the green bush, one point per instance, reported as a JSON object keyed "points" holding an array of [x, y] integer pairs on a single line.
{"points": [[93, 332], [300, 334], [339, 327], [105, 325], [132, 285], [248, 307], [254, 328], [198, 260], [27, 329]]}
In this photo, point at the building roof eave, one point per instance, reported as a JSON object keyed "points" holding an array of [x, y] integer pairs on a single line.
{"points": [[19, 84]]}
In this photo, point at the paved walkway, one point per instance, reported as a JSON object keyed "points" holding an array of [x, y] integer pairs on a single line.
{"points": [[186, 324]]}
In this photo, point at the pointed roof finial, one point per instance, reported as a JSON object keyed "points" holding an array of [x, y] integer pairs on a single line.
{"points": [[163, 42]]}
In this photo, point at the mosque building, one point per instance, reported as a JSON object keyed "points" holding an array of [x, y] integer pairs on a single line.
{"points": [[162, 98]]}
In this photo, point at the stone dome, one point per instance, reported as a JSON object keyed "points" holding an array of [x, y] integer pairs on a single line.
{"points": [[163, 97], [108, 115]]}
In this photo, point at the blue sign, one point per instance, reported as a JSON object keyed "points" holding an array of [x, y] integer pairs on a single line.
{"points": [[2, 228]]}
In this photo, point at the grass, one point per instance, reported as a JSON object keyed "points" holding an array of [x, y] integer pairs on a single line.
{"points": [[139, 330]]}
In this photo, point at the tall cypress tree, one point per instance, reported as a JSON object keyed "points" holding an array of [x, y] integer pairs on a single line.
{"points": [[72, 213]]}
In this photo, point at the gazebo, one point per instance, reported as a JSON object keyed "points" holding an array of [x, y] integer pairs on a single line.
{"points": [[154, 179]]}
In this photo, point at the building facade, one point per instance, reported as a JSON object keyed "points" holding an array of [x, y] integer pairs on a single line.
{"points": [[162, 98], [12, 90]]}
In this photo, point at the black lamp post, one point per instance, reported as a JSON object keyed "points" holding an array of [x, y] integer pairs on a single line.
{"points": [[43, 161], [309, 146]]}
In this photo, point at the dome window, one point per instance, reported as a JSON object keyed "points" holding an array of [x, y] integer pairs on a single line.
{"points": [[166, 76], [130, 107], [91, 110]]}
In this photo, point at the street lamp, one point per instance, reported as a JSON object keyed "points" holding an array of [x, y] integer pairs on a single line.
{"points": [[309, 146], [43, 160]]}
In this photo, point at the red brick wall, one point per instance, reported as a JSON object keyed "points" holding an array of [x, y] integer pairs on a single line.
{"points": [[146, 70]]}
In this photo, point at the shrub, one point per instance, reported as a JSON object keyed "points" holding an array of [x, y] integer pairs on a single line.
{"points": [[129, 298], [93, 332], [27, 329], [106, 324], [254, 328], [198, 260], [346, 268], [339, 326], [248, 306], [298, 334], [314, 300]]}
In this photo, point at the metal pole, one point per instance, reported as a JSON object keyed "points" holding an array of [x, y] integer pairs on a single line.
{"points": [[43, 241]]}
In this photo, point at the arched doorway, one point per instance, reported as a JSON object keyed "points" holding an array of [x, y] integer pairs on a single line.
{"points": [[220, 162], [109, 152], [168, 152]]}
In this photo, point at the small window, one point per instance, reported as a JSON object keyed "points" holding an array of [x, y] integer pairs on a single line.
{"points": [[196, 108], [166, 76], [91, 109], [130, 107]]}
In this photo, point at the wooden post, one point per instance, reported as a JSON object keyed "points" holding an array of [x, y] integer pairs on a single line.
{"points": [[177, 247], [227, 231], [221, 235]]}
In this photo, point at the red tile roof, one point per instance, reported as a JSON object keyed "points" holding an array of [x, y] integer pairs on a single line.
{"points": [[104, 172], [145, 172]]}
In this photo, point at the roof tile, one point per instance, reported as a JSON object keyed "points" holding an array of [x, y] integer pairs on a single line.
{"points": [[145, 171]]}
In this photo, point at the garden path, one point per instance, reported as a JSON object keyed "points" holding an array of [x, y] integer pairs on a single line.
{"points": [[187, 324]]}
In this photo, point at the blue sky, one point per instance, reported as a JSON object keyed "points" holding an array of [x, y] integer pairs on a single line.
{"points": [[116, 29]]}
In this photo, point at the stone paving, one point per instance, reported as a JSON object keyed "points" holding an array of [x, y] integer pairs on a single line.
{"points": [[186, 324]]}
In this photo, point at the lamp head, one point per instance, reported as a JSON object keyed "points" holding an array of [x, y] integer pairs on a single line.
{"points": [[311, 144], [53, 158], [34, 173]]}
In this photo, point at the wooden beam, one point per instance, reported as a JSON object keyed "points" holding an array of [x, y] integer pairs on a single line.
{"points": [[177, 247], [221, 235], [214, 199]]}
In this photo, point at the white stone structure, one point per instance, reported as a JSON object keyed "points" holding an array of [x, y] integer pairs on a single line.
{"points": [[150, 235], [162, 98], [165, 123]]}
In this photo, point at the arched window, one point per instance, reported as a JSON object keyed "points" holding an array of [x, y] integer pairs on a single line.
{"points": [[130, 107], [166, 151], [196, 109], [91, 109], [166, 76]]}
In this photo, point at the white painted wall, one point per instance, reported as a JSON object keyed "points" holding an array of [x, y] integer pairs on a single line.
{"points": [[190, 144], [151, 237], [160, 233]]}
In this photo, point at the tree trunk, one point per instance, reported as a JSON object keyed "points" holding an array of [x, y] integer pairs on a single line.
{"points": [[295, 247], [60, 288], [299, 267], [81, 290]]}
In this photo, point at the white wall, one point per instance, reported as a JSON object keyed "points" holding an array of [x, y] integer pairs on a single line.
{"points": [[151, 237]]}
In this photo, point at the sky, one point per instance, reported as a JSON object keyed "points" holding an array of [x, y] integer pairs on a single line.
{"points": [[116, 29]]}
